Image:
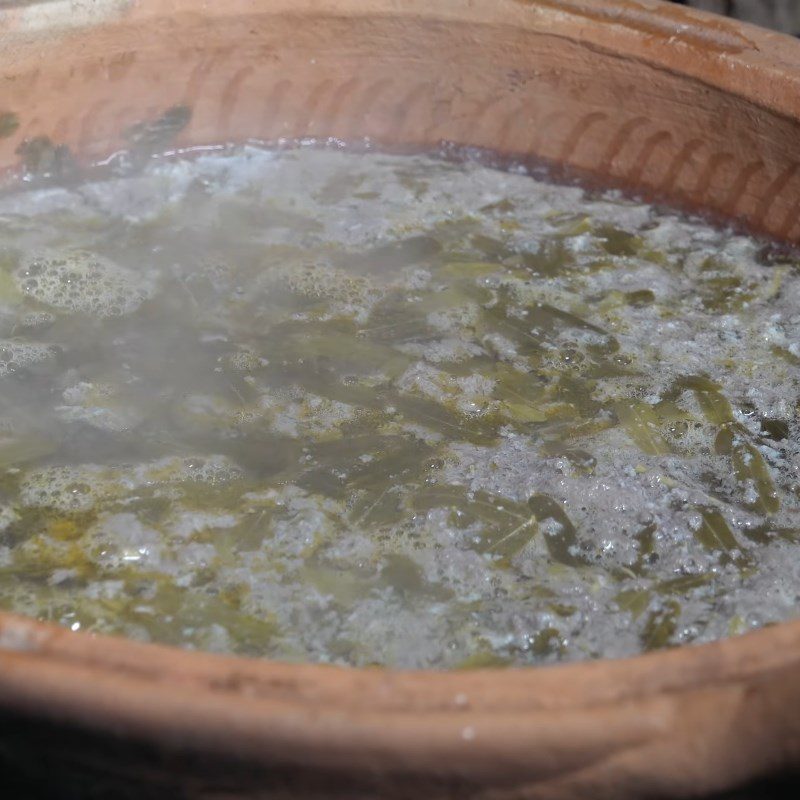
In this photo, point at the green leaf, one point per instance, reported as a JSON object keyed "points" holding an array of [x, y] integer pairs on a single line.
{"points": [[660, 626], [642, 425]]}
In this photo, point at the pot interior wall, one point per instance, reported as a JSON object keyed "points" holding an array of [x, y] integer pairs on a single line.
{"points": [[414, 78]]}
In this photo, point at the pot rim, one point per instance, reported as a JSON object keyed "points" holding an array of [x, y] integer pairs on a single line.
{"points": [[462, 722], [320, 713]]}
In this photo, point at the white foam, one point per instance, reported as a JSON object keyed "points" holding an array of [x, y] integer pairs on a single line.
{"points": [[16, 355], [80, 281]]}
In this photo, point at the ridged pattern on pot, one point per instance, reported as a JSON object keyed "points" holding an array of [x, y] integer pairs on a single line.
{"points": [[530, 81]]}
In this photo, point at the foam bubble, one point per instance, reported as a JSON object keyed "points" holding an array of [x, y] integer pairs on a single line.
{"points": [[297, 413], [123, 541], [16, 355], [65, 488], [353, 295], [470, 394], [97, 405], [81, 487], [205, 469], [439, 351], [80, 281], [35, 320], [8, 516]]}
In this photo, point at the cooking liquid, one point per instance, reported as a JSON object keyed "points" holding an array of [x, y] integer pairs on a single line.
{"points": [[369, 409]]}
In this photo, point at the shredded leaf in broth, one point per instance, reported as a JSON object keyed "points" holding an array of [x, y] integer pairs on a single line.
{"points": [[371, 409]]}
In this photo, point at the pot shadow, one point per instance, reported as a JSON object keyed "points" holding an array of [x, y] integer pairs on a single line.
{"points": [[21, 787], [41, 760]]}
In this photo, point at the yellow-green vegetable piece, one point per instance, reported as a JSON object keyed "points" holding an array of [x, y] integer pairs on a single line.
{"points": [[642, 425]]}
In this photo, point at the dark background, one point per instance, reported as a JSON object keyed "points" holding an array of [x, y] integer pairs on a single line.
{"points": [[15, 787], [783, 15]]}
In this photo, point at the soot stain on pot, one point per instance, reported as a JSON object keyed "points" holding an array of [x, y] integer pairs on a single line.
{"points": [[153, 136], [44, 160], [9, 123]]}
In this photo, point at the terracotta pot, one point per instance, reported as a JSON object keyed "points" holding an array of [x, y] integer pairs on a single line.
{"points": [[695, 109]]}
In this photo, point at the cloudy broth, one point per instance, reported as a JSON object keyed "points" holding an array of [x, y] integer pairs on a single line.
{"points": [[371, 409]]}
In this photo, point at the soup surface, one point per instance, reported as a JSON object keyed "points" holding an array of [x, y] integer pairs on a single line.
{"points": [[370, 409]]}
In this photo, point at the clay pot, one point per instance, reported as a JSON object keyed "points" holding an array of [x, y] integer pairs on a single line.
{"points": [[697, 110]]}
